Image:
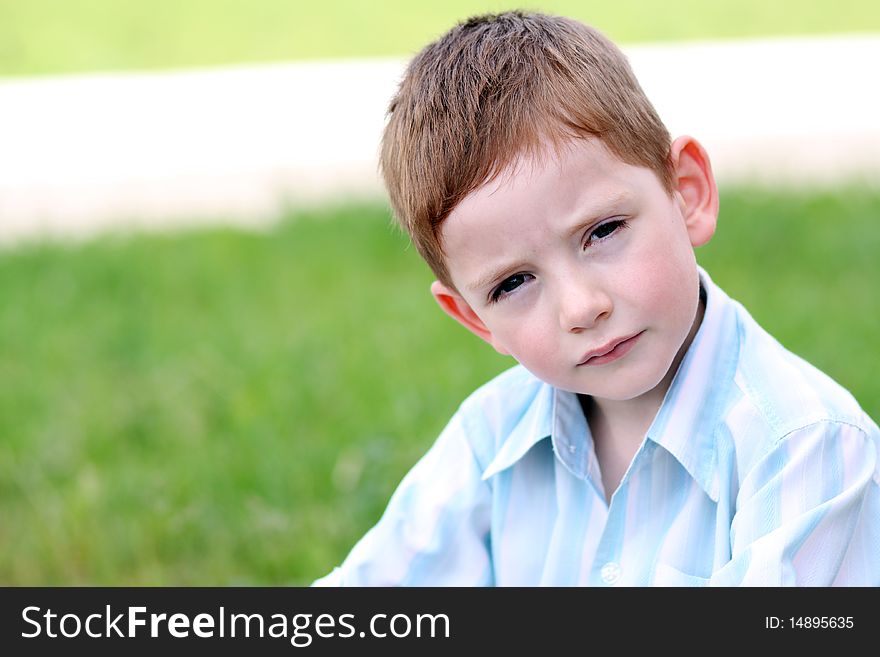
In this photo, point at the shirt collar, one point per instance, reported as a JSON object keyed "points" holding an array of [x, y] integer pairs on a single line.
{"points": [[684, 425], [534, 425]]}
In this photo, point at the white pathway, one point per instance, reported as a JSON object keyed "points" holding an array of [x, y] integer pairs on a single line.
{"points": [[79, 154]]}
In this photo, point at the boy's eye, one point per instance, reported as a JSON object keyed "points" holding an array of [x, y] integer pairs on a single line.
{"points": [[606, 229], [508, 285]]}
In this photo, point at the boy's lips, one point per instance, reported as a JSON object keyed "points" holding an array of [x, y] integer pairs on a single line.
{"points": [[611, 351]]}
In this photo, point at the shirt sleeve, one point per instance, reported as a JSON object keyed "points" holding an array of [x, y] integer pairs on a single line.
{"points": [[435, 530], [808, 513]]}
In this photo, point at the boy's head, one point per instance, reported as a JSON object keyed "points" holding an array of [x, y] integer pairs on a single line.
{"points": [[539, 184], [499, 86]]}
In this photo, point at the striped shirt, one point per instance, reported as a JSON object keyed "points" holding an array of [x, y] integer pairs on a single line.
{"points": [[758, 469]]}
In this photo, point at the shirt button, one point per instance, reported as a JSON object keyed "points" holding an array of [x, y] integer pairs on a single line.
{"points": [[572, 448], [610, 572]]}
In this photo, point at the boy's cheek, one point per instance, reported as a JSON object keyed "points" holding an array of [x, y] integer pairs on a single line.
{"points": [[666, 275], [531, 349]]}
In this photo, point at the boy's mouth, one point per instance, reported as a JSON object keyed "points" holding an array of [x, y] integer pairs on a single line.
{"points": [[617, 348]]}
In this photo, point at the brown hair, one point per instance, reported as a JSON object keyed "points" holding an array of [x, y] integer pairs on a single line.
{"points": [[498, 86]]}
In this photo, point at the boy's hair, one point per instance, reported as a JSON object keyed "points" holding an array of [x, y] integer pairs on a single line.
{"points": [[499, 86]]}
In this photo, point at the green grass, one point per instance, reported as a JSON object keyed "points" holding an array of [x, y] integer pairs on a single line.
{"points": [[221, 407], [50, 36]]}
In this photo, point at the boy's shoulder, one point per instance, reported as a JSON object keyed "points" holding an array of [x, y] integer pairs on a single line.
{"points": [[777, 395], [783, 389]]}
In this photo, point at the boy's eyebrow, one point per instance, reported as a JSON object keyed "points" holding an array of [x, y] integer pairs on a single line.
{"points": [[493, 276]]}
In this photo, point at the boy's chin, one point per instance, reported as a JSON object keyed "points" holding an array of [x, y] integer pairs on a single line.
{"points": [[628, 389]]}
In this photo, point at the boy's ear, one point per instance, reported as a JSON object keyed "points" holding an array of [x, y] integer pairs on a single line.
{"points": [[695, 188], [454, 305]]}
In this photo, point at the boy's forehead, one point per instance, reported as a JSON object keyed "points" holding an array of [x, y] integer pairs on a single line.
{"points": [[570, 179]]}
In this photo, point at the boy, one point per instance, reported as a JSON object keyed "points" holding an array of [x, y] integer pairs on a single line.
{"points": [[652, 433]]}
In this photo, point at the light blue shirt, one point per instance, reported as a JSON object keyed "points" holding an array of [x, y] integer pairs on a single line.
{"points": [[757, 470]]}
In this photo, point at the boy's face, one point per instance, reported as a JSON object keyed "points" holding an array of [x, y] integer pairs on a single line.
{"points": [[558, 261]]}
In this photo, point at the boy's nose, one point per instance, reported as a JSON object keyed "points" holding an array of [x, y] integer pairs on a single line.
{"points": [[583, 307]]}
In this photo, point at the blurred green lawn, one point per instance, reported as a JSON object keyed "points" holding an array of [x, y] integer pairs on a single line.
{"points": [[221, 407], [52, 36]]}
